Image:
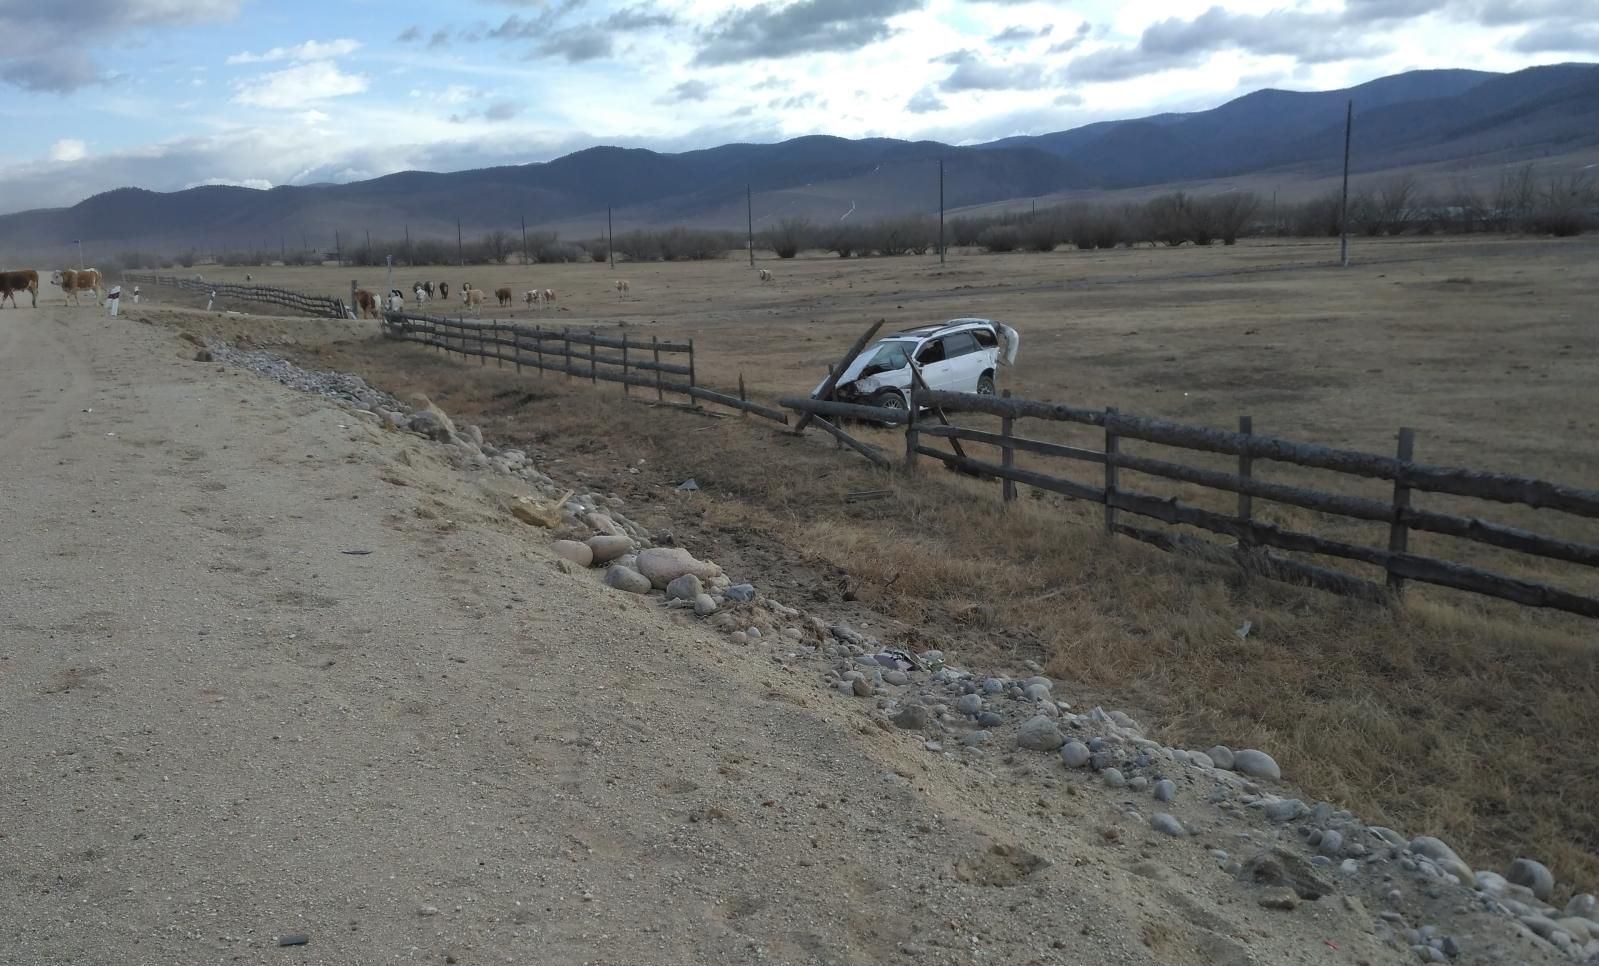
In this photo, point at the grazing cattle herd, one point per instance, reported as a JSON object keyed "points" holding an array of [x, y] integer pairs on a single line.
{"points": [[367, 304]]}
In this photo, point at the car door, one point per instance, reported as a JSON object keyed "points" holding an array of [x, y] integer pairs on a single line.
{"points": [[965, 364], [934, 364]]}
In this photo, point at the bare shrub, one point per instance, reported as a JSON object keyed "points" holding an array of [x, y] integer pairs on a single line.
{"points": [[1233, 213], [1041, 232], [497, 246], [999, 238], [1393, 201], [789, 236]]}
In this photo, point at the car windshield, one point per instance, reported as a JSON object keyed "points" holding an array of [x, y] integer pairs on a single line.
{"points": [[889, 356]]}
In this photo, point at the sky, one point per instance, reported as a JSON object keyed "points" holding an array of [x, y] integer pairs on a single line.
{"points": [[167, 94]]}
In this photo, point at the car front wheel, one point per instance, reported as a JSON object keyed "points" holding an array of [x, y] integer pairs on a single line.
{"points": [[889, 399], [985, 384]]}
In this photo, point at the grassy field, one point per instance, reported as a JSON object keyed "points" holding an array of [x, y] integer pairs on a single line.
{"points": [[1449, 714]]}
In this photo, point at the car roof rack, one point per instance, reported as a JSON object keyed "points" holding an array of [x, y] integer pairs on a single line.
{"points": [[936, 327]]}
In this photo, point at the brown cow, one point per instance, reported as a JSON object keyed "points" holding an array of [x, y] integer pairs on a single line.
{"points": [[472, 297], [367, 303], [504, 295], [74, 281], [20, 280], [444, 290]]}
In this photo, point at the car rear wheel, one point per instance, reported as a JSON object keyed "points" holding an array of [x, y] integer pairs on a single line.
{"points": [[985, 384]]}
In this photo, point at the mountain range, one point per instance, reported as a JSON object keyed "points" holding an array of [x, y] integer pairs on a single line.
{"points": [[1416, 118]]}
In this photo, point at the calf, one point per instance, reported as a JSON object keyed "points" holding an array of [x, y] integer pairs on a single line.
{"points": [[444, 290], [366, 303], [622, 287], [549, 296], [503, 294], [530, 296], [473, 297], [766, 275]]}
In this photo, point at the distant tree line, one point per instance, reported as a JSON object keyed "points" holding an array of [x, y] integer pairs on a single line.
{"points": [[1522, 200]]}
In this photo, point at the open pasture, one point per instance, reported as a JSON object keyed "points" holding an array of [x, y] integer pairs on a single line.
{"points": [[1453, 714]]}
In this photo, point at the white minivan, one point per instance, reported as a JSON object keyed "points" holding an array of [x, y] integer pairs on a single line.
{"points": [[961, 355]]}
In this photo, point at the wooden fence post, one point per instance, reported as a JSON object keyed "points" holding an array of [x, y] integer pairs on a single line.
{"points": [[1398, 531], [594, 377], [913, 438], [482, 353], [655, 346], [1246, 503], [693, 403], [742, 397], [1007, 454], [516, 346], [538, 347], [566, 351], [1112, 446], [353, 303], [626, 389]]}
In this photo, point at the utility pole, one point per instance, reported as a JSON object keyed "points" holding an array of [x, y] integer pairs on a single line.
{"points": [[524, 239], [610, 237], [338, 248], [410, 258], [940, 211], [79, 243], [1343, 213], [460, 250], [749, 210]]}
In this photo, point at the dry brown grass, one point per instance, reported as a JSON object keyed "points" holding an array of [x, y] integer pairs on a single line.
{"points": [[1449, 715]]}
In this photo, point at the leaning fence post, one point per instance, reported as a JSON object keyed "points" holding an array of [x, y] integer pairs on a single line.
{"points": [[1398, 531], [655, 346], [353, 303], [1112, 447], [1007, 457], [1246, 464], [594, 376], [626, 389], [742, 397]]}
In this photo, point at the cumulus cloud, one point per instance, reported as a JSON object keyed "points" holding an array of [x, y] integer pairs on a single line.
{"points": [[924, 101], [45, 41], [293, 86], [1021, 35], [770, 30], [1559, 38], [689, 90], [68, 149], [299, 53], [1309, 37], [973, 73], [1071, 43]]}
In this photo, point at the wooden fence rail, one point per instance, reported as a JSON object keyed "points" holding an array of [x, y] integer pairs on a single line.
{"points": [[313, 305], [1251, 536], [573, 354]]}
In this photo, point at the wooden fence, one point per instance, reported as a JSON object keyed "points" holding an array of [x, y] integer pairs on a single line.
{"points": [[634, 363], [314, 305], [1253, 537]]}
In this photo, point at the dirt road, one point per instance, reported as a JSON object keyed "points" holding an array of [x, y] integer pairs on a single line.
{"points": [[255, 682]]}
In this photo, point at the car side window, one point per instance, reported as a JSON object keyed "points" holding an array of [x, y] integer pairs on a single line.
{"points": [[930, 353], [985, 338], [959, 344]]}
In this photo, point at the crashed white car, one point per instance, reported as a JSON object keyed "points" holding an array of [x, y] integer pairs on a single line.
{"points": [[961, 355]]}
